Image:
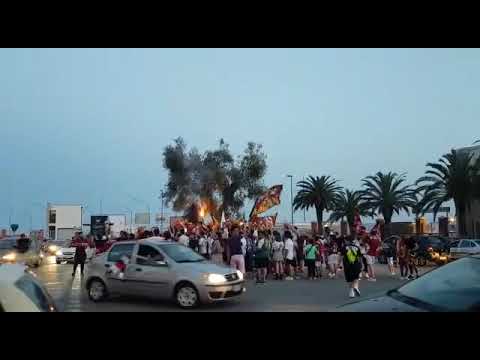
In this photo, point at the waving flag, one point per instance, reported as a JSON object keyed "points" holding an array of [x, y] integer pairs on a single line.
{"points": [[266, 201]]}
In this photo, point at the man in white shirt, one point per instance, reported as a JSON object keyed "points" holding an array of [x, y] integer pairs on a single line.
{"points": [[290, 255], [183, 239], [203, 245]]}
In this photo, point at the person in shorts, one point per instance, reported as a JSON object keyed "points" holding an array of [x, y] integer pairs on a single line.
{"points": [[332, 258], [278, 256], [373, 245], [289, 255]]}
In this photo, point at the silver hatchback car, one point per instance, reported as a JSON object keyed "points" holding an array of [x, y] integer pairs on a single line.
{"points": [[161, 269]]}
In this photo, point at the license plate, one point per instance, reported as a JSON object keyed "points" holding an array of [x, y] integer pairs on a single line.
{"points": [[237, 287]]}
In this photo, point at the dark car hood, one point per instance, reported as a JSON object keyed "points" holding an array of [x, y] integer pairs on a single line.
{"points": [[383, 303]]}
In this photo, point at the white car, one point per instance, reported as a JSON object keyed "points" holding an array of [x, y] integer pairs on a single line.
{"points": [[65, 253], [13, 250], [464, 247], [20, 291]]}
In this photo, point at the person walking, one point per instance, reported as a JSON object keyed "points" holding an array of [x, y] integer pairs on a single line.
{"points": [[373, 245], [289, 255], [403, 258], [311, 253], [363, 251], [217, 250], [237, 260], [412, 248], [261, 258], [388, 252], [332, 258], [301, 242], [352, 266], [278, 256], [80, 244]]}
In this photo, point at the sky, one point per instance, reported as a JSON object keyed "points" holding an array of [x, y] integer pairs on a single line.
{"points": [[88, 126]]}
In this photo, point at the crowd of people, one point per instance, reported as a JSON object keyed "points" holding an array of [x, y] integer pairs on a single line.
{"points": [[263, 253]]}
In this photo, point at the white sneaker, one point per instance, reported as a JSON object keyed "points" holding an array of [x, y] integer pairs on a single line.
{"points": [[289, 278], [357, 291], [351, 294], [393, 273], [372, 279], [361, 276]]}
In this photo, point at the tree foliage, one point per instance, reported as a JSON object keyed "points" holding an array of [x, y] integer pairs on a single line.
{"points": [[319, 193], [387, 194], [453, 177], [346, 204], [215, 177]]}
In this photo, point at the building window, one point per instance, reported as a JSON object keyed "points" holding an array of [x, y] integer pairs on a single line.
{"points": [[52, 217], [51, 232]]}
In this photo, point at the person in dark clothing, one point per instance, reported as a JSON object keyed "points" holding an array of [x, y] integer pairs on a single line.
{"points": [[352, 264], [80, 244], [156, 231]]}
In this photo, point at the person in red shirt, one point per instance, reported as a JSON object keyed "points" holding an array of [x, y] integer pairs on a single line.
{"points": [[373, 245]]}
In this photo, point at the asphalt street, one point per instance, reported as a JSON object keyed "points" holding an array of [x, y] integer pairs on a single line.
{"points": [[297, 295]]}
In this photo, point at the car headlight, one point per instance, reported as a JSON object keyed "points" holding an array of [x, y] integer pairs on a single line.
{"points": [[216, 279], [59, 253], [9, 257], [240, 275]]}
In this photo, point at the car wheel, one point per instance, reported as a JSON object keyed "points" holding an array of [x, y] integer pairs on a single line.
{"points": [[97, 291], [421, 261], [187, 296]]}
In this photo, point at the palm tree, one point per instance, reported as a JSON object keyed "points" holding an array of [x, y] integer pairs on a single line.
{"points": [[319, 193], [453, 177], [347, 203], [387, 194]]}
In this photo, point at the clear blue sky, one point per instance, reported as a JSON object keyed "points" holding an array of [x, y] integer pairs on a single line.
{"points": [[80, 125]]}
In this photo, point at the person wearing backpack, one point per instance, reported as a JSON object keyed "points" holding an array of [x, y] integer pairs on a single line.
{"points": [[311, 252], [352, 265], [261, 258]]}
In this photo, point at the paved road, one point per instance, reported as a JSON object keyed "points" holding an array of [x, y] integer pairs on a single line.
{"points": [[297, 295]]}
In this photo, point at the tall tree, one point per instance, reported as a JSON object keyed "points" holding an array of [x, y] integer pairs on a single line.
{"points": [[387, 194], [319, 193], [214, 178], [346, 205], [453, 177]]}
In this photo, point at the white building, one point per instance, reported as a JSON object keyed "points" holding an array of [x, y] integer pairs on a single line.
{"points": [[63, 221]]}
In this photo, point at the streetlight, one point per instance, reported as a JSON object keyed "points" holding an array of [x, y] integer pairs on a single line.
{"points": [[162, 195], [291, 194]]}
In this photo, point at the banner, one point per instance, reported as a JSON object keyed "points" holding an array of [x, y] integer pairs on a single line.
{"points": [[266, 201], [266, 222]]}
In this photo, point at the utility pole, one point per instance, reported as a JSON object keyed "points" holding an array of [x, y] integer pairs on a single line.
{"points": [[291, 194], [304, 210]]}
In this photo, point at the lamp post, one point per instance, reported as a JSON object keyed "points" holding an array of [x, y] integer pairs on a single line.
{"points": [[162, 195], [144, 202], [291, 194]]}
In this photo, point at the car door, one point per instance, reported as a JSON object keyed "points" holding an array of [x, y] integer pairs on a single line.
{"points": [[115, 283], [463, 248], [454, 248], [474, 247], [149, 274]]}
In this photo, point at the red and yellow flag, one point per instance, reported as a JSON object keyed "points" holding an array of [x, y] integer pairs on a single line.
{"points": [[266, 201]]}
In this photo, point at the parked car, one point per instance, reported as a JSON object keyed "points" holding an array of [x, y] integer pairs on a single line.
{"points": [[28, 253], [20, 291], [464, 247], [161, 269], [66, 253], [432, 248], [453, 287]]}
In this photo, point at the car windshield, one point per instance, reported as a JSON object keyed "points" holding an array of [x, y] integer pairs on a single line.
{"points": [[453, 287], [180, 253], [6, 244]]}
